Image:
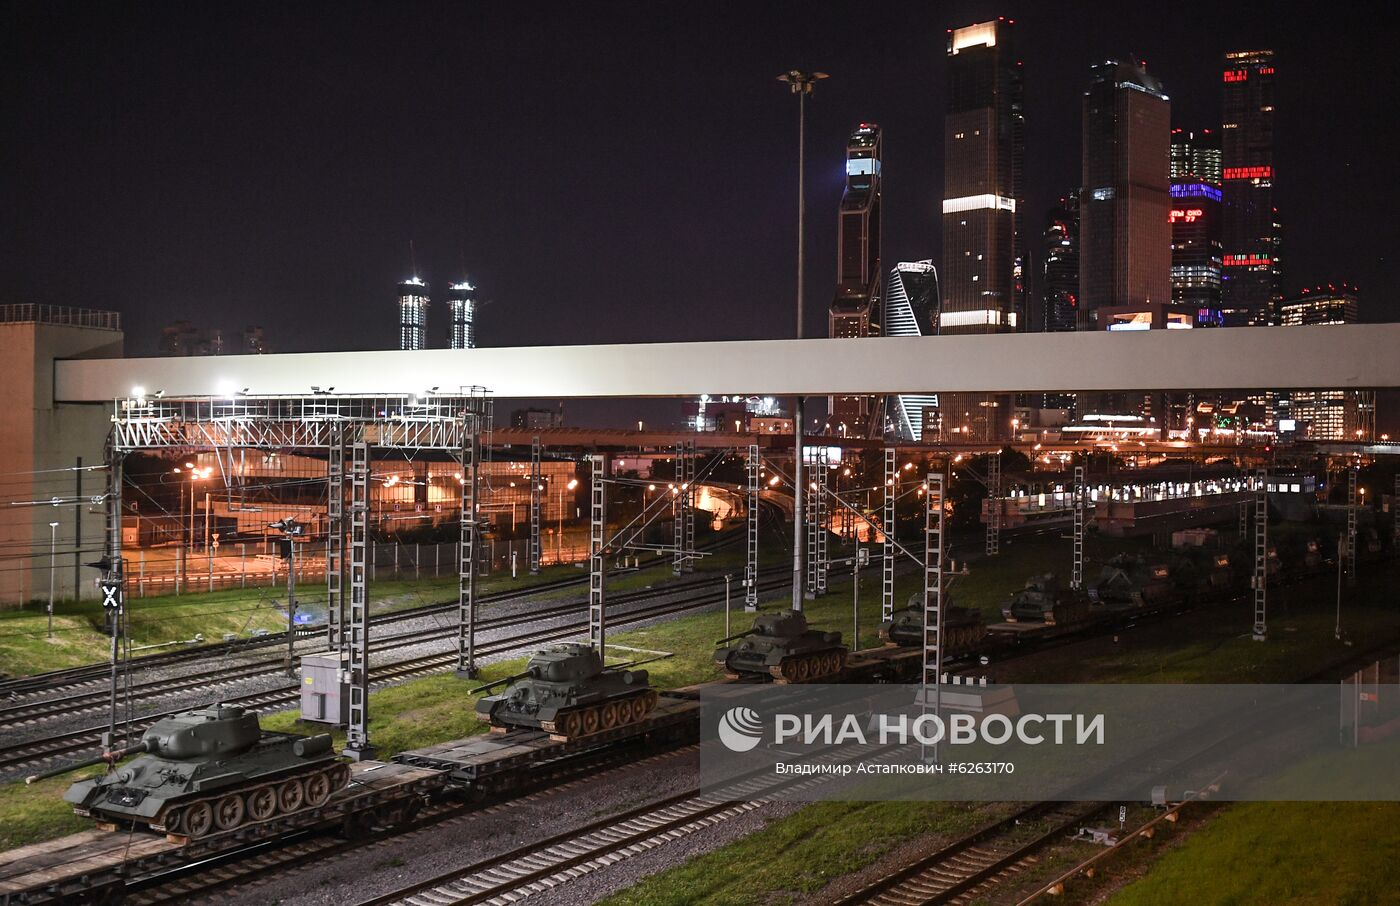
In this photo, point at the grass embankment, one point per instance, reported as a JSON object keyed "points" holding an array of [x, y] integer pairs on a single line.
{"points": [[796, 856], [1303, 853]]}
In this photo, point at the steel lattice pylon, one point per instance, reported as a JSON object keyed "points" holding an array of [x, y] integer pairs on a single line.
{"points": [[1351, 524], [114, 573], [470, 531], [597, 556], [335, 538], [933, 581], [536, 478], [688, 493], [821, 519], [1076, 581], [1261, 554], [357, 744], [751, 562], [994, 499], [887, 529], [680, 507]]}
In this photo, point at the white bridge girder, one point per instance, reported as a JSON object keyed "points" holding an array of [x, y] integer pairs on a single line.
{"points": [[1340, 357]]}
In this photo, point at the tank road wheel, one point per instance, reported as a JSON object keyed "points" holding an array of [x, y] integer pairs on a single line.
{"points": [[609, 715], [262, 803], [228, 812], [590, 721], [787, 670], [804, 669], [639, 708], [318, 788], [651, 699], [290, 795], [199, 818], [174, 820], [568, 724]]}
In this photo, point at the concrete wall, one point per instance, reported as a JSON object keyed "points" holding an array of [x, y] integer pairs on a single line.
{"points": [[37, 436]]}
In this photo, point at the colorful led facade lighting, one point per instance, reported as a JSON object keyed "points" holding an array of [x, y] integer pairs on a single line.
{"points": [[1249, 232]]}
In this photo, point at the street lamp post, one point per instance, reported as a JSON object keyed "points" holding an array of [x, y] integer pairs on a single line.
{"points": [[53, 552], [801, 84]]}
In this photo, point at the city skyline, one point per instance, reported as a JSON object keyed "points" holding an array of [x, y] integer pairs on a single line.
{"points": [[602, 180]]}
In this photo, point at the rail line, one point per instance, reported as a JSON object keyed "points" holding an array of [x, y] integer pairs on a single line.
{"points": [[37, 752]]}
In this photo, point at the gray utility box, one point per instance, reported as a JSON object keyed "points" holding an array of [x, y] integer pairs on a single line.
{"points": [[325, 687]]}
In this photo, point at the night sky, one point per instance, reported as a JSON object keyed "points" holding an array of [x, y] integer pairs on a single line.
{"points": [[604, 172]]}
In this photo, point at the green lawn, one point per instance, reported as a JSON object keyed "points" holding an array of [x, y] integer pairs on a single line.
{"points": [[1323, 853], [796, 856]]}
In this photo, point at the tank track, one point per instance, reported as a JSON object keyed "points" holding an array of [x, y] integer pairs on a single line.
{"points": [[809, 668], [587, 720], [228, 810]]}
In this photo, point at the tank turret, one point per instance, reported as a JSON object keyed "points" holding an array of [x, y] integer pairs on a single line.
{"points": [[206, 771], [567, 691], [963, 627], [783, 646]]}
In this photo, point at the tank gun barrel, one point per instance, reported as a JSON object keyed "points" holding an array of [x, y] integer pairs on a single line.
{"points": [[734, 638], [109, 757], [503, 681]]}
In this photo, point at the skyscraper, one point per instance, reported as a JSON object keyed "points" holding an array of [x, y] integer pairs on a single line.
{"points": [[1196, 154], [413, 314], [983, 182], [461, 306], [856, 309], [1125, 202], [983, 202], [911, 305], [1250, 229], [1325, 414], [1196, 255], [1060, 266]]}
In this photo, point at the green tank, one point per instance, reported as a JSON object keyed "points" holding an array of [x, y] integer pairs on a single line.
{"points": [[1043, 600], [963, 627], [783, 646], [566, 690], [206, 771], [1129, 581]]}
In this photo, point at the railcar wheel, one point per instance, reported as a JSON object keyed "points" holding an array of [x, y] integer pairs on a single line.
{"points": [[290, 795], [318, 788], [229, 812], [199, 818], [262, 803]]}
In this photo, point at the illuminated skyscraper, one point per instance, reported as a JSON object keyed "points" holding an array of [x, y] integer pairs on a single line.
{"points": [[911, 305], [1060, 264], [1125, 203], [461, 306], [983, 182], [856, 310], [413, 314], [1196, 254], [983, 199], [1196, 154], [1325, 414], [1250, 229]]}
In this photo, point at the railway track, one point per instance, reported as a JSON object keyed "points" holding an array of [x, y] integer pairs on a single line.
{"points": [[28, 755], [98, 698], [966, 869]]}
